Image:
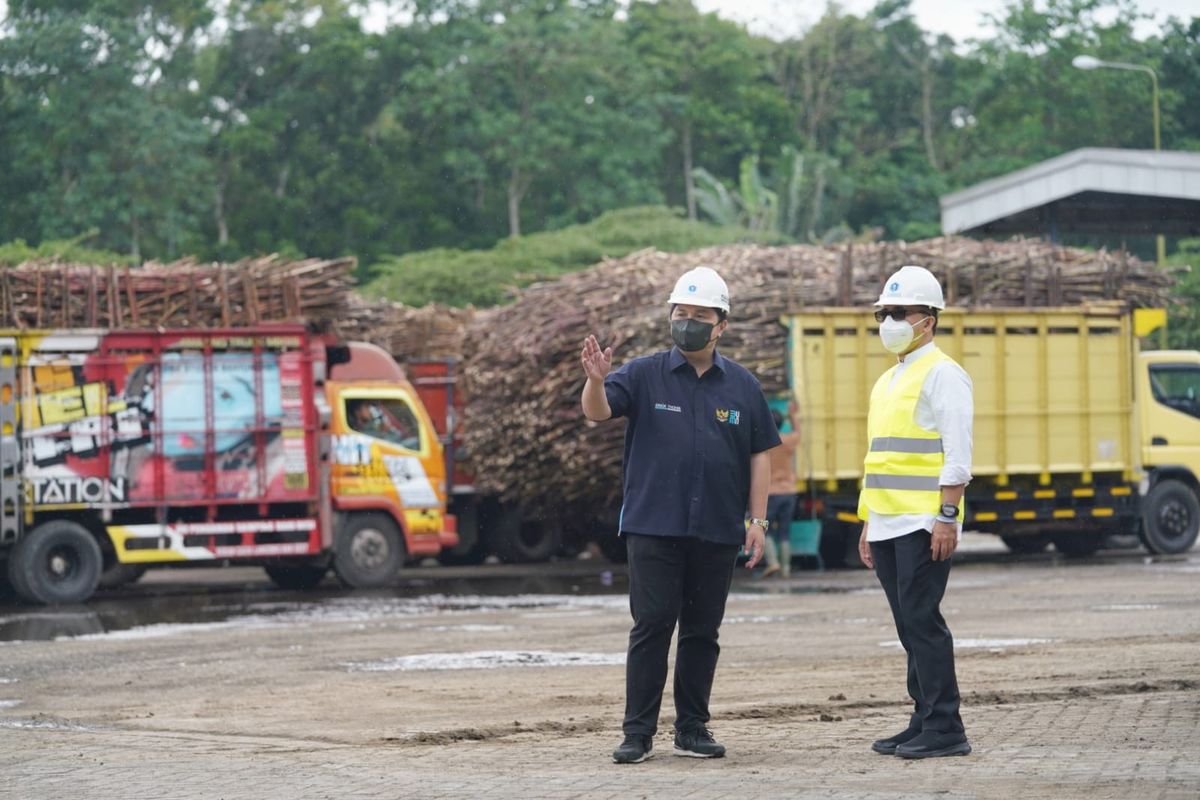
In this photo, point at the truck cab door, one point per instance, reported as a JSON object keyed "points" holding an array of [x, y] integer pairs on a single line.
{"points": [[1172, 421], [385, 447]]}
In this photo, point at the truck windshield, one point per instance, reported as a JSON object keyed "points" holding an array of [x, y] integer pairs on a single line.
{"points": [[1177, 386], [389, 419]]}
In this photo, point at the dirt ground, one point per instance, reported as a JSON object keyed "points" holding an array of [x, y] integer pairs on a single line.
{"points": [[1080, 679]]}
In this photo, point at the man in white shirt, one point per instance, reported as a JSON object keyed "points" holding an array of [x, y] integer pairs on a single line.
{"points": [[916, 470]]}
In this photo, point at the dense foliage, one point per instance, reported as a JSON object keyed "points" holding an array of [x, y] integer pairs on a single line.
{"points": [[224, 129]]}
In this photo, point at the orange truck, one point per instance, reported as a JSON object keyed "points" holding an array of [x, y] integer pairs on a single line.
{"points": [[270, 446]]}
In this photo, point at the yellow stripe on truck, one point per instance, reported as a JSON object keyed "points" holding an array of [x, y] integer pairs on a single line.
{"points": [[121, 535]]}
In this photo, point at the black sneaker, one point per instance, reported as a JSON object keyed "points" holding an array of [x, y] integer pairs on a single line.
{"points": [[888, 746], [698, 744], [634, 750], [932, 744]]}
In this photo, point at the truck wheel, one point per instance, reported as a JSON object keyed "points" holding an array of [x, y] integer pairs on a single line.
{"points": [[368, 551], [1077, 545], [121, 575], [521, 540], [1025, 545], [839, 544], [299, 578], [59, 562], [613, 548], [1170, 518]]}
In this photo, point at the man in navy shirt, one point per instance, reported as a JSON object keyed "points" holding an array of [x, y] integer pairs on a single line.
{"points": [[698, 428]]}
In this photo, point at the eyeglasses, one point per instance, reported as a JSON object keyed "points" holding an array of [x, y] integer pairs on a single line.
{"points": [[898, 313]]}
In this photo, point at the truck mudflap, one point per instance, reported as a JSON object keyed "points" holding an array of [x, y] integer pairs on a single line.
{"points": [[207, 541], [449, 534]]}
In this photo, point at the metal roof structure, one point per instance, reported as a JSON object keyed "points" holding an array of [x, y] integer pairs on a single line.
{"points": [[1090, 191]]}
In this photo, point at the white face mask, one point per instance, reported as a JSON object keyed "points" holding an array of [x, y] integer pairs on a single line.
{"points": [[896, 334]]}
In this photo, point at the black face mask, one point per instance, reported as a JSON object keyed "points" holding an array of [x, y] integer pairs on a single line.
{"points": [[691, 335]]}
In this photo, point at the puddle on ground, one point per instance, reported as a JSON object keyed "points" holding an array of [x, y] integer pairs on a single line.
{"points": [[163, 609], [9, 703], [755, 620], [985, 644], [132, 620], [41, 725], [487, 659]]}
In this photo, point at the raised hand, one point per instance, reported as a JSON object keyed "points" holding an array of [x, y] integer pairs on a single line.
{"points": [[596, 362]]}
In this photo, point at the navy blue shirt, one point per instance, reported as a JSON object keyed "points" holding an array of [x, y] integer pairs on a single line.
{"points": [[688, 443]]}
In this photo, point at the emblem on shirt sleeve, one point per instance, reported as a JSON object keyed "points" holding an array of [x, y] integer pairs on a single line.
{"points": [[729, 416]]}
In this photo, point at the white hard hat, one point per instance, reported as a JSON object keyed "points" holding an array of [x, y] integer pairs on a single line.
{"points": [[701, 286], [912, 286]]}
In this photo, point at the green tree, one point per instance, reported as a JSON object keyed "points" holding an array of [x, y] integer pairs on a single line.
{"points": [[529, 97], [712, 89], [90, 93]]}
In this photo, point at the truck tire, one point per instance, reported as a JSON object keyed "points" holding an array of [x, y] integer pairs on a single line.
{"points": [[59, 562], [612, 546], [121, 575], [299, 577], [1170, 518], [368, 551], [1077, 545], [1025, 545], [517, 539], [839, 544]]}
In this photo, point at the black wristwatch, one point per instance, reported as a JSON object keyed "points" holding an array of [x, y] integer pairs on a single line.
{"points": [[949, 512]]}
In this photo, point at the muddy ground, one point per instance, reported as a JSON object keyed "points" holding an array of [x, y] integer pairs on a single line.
{"points": [[1080, 679]]}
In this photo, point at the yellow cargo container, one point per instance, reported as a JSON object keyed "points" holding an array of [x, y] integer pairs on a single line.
{"points": [[1077, 432]]}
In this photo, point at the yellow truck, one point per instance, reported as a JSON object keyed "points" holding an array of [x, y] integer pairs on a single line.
{"points": [[1078, 433]]}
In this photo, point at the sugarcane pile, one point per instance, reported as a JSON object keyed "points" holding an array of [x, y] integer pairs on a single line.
{"points": [[524, 432], [182, 294], [409, 333]]}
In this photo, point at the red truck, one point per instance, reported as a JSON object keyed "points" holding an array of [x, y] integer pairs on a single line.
{"points": [[486, 524], [268, 446]]}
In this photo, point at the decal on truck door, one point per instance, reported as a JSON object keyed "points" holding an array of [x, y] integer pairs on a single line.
{"points": [[370, 466]]}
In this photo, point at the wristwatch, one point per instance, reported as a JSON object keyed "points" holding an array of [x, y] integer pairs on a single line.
{"points": [[948, 513], [762, 523]]}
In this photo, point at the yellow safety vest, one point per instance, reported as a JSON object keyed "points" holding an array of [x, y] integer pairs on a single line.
{"points": [[902, 470]]}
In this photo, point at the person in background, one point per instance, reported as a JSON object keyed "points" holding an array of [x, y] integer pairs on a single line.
{"points": [[781, 499]]}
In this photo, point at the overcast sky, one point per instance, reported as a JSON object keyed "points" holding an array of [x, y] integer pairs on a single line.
{"points": [[961, 19]]}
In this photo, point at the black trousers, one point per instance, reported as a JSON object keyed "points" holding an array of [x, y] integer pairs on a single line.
{"points": [[914, 584], [674, 579]]}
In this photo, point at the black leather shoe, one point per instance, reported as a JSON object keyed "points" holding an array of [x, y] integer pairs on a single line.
{"points": [[932, 744], [888, 746], [634, 750], [698, 744]]}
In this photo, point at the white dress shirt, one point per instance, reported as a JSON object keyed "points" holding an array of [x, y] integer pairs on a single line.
{"points": [[946, 405]]}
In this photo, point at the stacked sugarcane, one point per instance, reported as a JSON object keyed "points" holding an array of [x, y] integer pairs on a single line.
{"points": [[524, 432], [409, 333], [183, 294]]}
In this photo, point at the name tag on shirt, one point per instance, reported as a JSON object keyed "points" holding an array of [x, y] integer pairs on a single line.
{"points": [[666, 407]]}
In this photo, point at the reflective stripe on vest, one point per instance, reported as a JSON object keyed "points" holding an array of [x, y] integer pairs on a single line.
{"points": [[906, 444], [902, 482], [903, 466]]}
